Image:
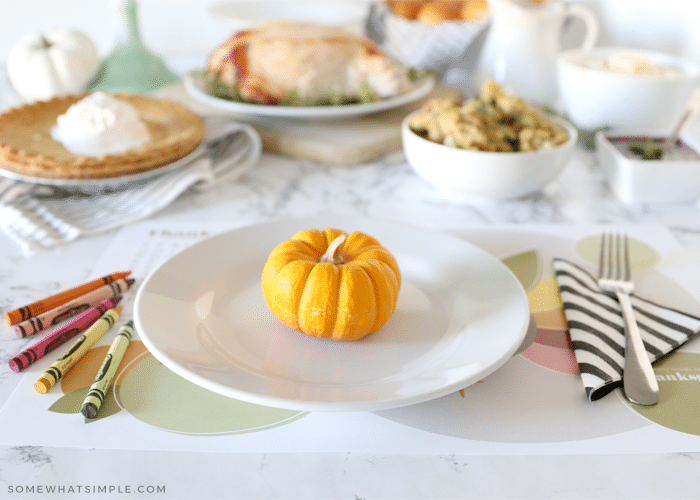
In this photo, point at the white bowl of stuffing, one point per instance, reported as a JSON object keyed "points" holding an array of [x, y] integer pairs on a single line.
{"points": [[493, 146]]}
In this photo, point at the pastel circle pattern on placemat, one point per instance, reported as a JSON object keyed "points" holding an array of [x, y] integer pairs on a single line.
{"points": [[520, 403], [642, 256], [76, 383], [83, 373], [155, 395], [552, 347], [679, 394], [538, 390]]}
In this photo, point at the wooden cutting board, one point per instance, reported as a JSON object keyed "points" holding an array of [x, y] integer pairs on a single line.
{"points": [[345, 141]]}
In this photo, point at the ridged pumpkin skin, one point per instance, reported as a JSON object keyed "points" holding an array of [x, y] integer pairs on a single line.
{"points": [[343, 301]]}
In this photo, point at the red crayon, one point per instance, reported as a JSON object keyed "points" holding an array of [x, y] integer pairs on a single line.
{"points": [[70, 309], [41, 306], [75, 326]]}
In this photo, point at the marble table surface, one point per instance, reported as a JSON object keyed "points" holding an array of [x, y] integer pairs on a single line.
{"points": [[279, 187]]}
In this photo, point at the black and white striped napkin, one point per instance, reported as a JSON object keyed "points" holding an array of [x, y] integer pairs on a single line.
{"points": [[597, 332]]}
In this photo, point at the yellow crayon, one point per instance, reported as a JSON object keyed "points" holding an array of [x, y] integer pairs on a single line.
{"points": [[98, 390], [77, 350]]}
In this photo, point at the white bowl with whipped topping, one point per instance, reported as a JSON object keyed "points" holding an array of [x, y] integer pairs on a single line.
{"points": [[623, 88]]}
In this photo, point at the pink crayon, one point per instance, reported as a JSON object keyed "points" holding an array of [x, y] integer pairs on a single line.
{"points": [[66, 332], [70, 309]]}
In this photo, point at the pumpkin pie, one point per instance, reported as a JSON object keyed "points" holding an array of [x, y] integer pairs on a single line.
{"points": [[28, 149]]}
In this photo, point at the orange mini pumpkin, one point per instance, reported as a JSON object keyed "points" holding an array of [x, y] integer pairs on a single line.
{"points": [[332, 284]]}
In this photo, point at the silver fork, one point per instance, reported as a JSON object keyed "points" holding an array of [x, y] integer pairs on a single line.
{"points": [[614, 275]]}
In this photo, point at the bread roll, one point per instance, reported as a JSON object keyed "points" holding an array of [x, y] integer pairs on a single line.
{"points": [[473, 10], [438, 11], [406, 8]]}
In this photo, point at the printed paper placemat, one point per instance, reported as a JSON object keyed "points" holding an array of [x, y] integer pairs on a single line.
{"points": [[534, 404]]}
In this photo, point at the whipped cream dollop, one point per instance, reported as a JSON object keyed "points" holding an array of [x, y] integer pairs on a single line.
{"points": [[633, 63], [100, 124]]}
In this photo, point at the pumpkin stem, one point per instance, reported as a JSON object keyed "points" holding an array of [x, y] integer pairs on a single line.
{"points": [[330, 256], [45, 44]]}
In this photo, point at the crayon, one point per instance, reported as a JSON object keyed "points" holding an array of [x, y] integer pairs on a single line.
{"points": [[77, 350], [70, 309], [61, 335], [36, 308], [98, 390]]}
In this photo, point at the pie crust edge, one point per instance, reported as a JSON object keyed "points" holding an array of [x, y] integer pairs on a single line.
{"points": [[186, 134]]}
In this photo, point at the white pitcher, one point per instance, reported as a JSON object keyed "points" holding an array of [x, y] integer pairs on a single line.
{"points": [[522, 45]]}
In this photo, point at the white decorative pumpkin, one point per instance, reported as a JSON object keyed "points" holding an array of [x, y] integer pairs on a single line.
{"points": [[56, 63]]}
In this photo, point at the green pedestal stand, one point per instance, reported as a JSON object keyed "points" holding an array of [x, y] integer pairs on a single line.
{"points": [[131, 67]]}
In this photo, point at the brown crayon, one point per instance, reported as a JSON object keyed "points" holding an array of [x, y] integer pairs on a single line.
{"points": [[70, 309], [36, 308], [61, 335]]}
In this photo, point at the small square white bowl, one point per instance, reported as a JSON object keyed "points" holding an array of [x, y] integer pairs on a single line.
{"points": [[635, 180]]}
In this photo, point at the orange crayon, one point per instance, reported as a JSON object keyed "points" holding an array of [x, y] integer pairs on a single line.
{"points": [[29, 311], [72, 308]]}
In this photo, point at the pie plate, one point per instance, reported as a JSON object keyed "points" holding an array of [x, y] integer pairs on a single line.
{"points": [[29, 152], [105, 183], [460, 316]]}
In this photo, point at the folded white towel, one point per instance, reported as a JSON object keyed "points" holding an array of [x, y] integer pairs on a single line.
{"points": [[39, 216]]}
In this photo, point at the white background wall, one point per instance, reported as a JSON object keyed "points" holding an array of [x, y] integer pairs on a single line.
{"points": [[667, 25], [168, 27], [184, 27]]}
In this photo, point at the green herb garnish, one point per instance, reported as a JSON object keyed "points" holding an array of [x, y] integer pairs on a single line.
{"points": [[219, 89], [646, 150]]}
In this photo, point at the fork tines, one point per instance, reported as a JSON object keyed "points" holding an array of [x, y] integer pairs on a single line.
{"points": [[617, 247]]}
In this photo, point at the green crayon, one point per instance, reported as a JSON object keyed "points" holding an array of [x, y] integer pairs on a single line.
{"points": [[77, 350], [98, 390]]}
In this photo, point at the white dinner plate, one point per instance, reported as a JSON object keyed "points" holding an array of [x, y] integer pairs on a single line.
{"points": [[196, 87], [107, 182], [461, 314]]}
